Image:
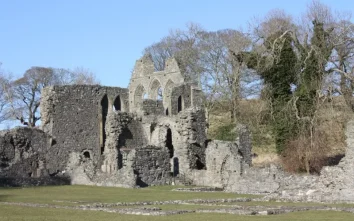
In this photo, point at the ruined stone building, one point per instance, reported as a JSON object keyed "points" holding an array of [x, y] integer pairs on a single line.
{"points": [[151, 133]]}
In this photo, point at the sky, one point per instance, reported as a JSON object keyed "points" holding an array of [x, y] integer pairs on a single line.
{"points": [[108, 36]]}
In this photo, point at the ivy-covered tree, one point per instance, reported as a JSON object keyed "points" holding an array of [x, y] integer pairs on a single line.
{"points": [[279, 78], [278, 70], [314, 71]]}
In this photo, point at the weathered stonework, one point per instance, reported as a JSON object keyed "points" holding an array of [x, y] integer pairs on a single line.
{"points": [[23, 153], [148, 134], [151, 133], [151, 164]]}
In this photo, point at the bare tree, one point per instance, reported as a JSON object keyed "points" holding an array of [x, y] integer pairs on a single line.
{"points": [[23, 94], [160, 52], [223, 79], [341, 78], [276, 21], [4, 93], [26, 94], [208, 58], [78, 75], [183, 45]]}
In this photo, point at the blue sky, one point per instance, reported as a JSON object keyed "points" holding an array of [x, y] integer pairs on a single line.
{"points": [[108, 36]]}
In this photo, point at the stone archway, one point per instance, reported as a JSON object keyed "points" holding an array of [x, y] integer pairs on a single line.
{"points": [[167, 90], [156, 92], [139, 96]]}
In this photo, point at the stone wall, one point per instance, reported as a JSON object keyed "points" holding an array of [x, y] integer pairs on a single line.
{"points": [[75, 117], [181, 98], [244, 141], [334, 184], [189, 142], [153, 107], [145, 80], [124, 130], [222, 163], [152, 166], [26, 157], [25, 153]]}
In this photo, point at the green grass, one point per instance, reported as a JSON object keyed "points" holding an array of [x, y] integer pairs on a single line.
{"points": [[65, 195], [276, 204], [17, 213], [169, 207], [92, 194]]}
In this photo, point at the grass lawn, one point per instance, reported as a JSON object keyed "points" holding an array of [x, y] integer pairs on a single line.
{"points": [[276, 204], [93, 194], [68, 195], [17, 213]]}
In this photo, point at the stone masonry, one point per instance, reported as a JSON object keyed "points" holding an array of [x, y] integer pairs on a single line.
{"points": [[151, 133]]}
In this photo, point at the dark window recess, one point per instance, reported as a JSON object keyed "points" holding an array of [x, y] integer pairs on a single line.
{"points": [[200, 165], [87, 155], [104, 108], [179, 104], [175, 166], [169, 144], [117, 105]]}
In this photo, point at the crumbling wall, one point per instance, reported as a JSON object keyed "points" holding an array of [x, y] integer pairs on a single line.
{"points": [[25, 155], [190, 126], [223, 162], [152, 166], [335, 183], [74, 117], [81, 172], [181, 98], [124, 130], [146, 81], [256, 180], [245, 143], [153, 107]]}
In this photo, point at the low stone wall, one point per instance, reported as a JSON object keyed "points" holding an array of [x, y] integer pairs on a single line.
{"points": [[335, 183], [223, 162]]}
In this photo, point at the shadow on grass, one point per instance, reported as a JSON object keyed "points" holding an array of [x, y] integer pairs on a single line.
{"points": [[3, 198], [43, 181]]}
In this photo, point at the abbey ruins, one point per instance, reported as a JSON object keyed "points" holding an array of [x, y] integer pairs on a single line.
{"points": [[127, 137]]}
